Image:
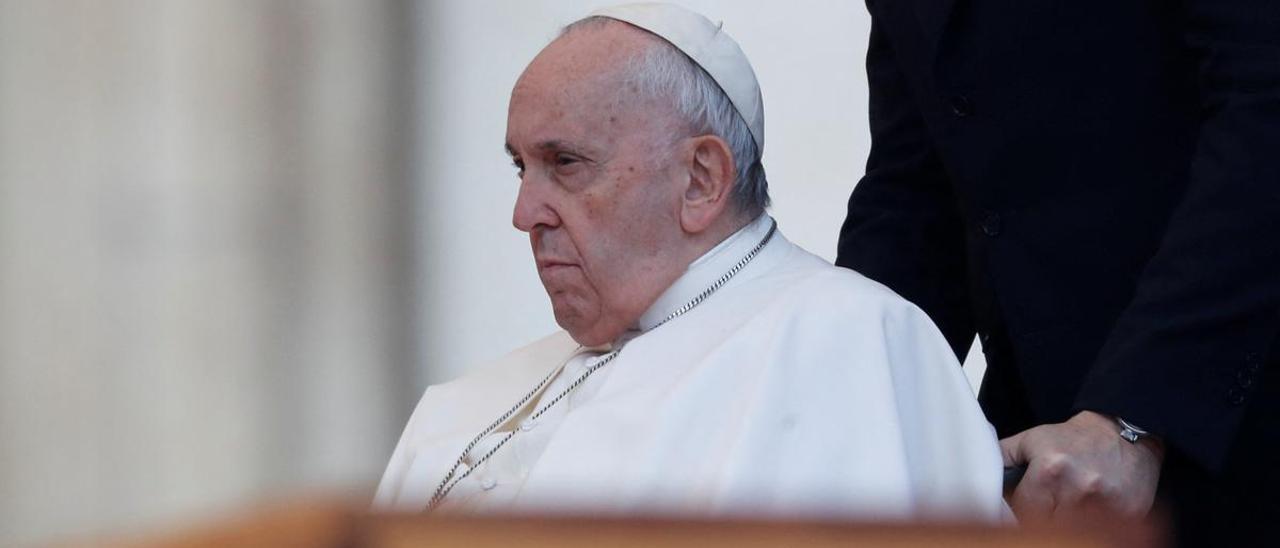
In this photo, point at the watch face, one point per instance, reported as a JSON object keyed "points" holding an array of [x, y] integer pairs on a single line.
{"points": [[1129, 432]]}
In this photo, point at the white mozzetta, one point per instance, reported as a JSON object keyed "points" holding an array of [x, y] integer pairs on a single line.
{"points": [[798, 389]]}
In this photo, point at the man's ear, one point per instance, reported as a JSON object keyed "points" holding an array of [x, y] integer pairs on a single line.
{"points": [[711, 179]]}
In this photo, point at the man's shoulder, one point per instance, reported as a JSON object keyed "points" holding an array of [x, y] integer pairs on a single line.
{"points": [[821, 284]]}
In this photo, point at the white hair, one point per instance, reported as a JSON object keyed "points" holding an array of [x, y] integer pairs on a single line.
{"points": [[666, 72]]}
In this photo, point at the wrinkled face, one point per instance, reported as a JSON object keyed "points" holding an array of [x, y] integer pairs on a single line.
{"points": [[599, 182]]}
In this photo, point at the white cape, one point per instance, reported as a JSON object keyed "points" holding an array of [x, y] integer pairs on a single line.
{"points": [[798, 389]]}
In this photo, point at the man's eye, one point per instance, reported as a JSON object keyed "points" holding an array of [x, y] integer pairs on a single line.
{"points": [[519, 165], [564, 160]]}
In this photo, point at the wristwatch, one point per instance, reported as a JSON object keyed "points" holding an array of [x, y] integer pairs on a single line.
{"points": [[1129, 432]]}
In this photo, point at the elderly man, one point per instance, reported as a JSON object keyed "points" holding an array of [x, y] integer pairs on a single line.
{"points": [[710, 367]]}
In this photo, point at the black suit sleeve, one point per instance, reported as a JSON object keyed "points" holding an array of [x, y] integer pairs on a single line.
{"points": [[1185, 355], [903, 228]]}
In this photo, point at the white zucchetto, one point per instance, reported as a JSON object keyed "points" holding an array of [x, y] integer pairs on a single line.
{"points": [[709, 46]]}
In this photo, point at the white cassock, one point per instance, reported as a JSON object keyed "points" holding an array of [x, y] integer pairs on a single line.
{"points": [[798, 389]]}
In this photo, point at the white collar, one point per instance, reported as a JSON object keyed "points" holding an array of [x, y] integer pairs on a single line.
{"points": [[701, 273]]}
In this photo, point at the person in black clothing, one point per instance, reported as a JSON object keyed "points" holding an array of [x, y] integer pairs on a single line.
{"points": [[1093, 188]]}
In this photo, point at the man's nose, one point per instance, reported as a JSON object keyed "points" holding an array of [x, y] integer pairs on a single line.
{"points": [[532, 207]]}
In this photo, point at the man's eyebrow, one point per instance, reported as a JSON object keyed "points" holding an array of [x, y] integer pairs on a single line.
{"points": [[552, 144], [579, 149]]}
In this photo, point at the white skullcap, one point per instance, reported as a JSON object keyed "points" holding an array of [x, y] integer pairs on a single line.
{"points": [[709, 47]]}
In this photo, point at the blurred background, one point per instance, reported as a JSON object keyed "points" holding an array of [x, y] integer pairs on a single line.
{"points": [[239, 237]]}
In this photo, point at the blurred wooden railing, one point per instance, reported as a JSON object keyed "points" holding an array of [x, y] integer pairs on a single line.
{"points": [[334, 525]]}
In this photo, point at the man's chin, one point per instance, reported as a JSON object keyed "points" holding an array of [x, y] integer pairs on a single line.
{"points": [[581, 333], [588, 340], [581, 318], [587, 333]]}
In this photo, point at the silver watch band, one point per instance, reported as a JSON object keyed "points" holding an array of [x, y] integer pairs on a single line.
{"points": [[1129, 432]]}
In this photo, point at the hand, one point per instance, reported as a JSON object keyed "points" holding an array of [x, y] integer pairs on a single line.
{"points": [[1082, 468]]}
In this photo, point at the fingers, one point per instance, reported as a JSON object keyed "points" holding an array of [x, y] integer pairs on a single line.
{"points": [[1011, 450], [1081, 494], [1033, 501], [1077, 474], [1057, 483]]}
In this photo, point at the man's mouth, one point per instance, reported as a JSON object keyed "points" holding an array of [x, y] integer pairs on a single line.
{"points": [[551, 264]]}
